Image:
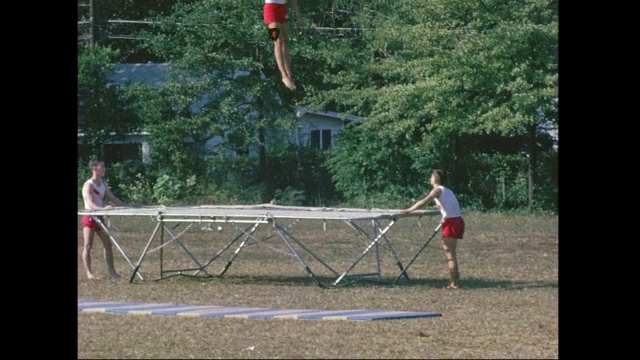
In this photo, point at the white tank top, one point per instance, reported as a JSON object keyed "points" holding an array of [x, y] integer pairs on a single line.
{"points": [[448, 203], [97, 193]]}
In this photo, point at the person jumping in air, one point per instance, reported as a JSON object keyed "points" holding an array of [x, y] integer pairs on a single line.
{"points": [[276, 17], [452, 222]]}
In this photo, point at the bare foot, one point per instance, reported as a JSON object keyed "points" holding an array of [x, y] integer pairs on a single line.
{"points": [[452, 286], [288, 83], [115, 276], [91, 276]]}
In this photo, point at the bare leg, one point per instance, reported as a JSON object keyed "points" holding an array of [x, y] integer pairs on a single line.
{"points": [[86, 251], [284, 34], [108, 254], [281, 53], [449, 245]]}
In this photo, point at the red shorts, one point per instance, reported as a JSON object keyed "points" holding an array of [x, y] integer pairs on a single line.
{"points": [[275, 13], [453, 227], [87, 221]]}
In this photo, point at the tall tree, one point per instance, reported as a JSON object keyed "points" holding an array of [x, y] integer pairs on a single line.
{"points": [[103, 110], [437, 74], [441, 83], [222, 79]]}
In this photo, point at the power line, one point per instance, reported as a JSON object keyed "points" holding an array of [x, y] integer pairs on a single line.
{"points": [[131, 22], [125, 37]]}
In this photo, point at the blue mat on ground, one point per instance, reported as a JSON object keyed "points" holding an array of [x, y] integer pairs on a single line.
{"points": [[139, 308]]}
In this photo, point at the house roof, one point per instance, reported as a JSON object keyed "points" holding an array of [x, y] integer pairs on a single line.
{"points": [[300, 112]]}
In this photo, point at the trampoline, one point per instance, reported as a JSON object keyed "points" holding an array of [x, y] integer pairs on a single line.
{"points": [[246, 219]]}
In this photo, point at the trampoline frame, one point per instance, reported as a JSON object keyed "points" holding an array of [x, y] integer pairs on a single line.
{"points": [[254, 216]]}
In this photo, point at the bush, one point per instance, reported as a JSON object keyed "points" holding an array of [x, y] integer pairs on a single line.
{"points": [[130, 181]]}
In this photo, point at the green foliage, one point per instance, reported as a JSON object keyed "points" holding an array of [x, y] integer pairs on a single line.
{"points": [[117, 34], [167, 190], [103, 109], [361, 166], [240, 170], [387, 199], [84, 174], [215, 88], [436, 80], [231, 180], [289, 196], [468, 87], [131, 181], [299, 173], [486, 172]]}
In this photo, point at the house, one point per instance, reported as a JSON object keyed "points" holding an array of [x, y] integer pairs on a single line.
{"points": [[317, 128]]}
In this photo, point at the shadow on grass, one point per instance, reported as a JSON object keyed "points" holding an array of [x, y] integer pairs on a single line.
{"points": [[359, 281], [476, 283]]}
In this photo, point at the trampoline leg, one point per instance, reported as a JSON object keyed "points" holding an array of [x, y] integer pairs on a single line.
{"points": [[144, 252], [366, 250], [404, 271]]}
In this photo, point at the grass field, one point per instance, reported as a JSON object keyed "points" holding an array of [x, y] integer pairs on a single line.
{"points": [[506, 307]]}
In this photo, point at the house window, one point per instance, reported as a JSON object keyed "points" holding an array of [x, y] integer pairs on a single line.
{"points": [[320, 139], [114, 153]]}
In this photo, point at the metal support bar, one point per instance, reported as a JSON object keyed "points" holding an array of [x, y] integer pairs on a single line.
{"points": [[388, 242], [199, 220], [184, 248], [282, 232], [374, 233], [306, 267], [224, 248], [395, 255], [114, 241], [235, 253], [424, 245], [144, 252], [374, 242]]}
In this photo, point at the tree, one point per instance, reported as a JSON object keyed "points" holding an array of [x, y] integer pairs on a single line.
{"points": [[116, 22], [219, 53], [504, 73], [466, 86], [438, 76], [103, 109]]}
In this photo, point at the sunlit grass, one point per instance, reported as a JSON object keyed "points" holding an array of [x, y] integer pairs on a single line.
{"points": [[506, 307]]}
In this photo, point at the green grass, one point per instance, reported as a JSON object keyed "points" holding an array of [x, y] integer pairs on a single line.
{"points": [[506, 307]]}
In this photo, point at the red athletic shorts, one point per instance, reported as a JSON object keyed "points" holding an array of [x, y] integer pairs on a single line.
{"points": [[275, 13], [453, 227], [87, 221]]}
